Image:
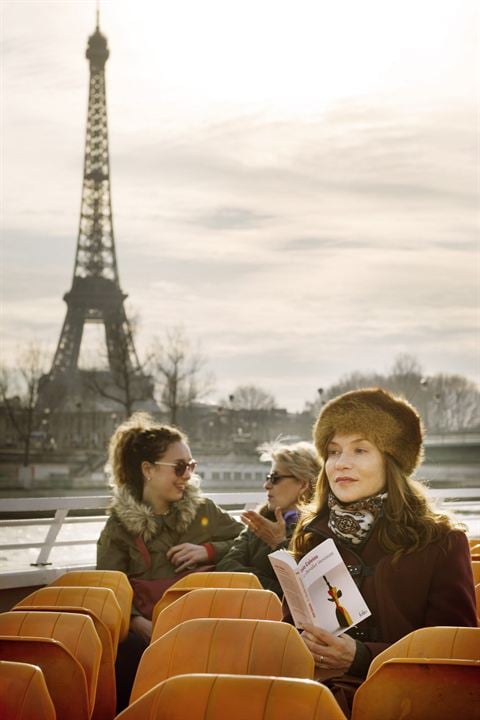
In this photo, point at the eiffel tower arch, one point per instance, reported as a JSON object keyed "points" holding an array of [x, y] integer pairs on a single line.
{"points": [[95, 295]]}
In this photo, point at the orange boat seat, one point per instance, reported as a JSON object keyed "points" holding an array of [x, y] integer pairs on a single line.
{"points": [[107, 625], [23, 693], [474, 542], [100, 600], [64, 675], [202, 580], [218, 603], [457, 643], [236, 697], [420, 689], [75, 631], [212, 645], [113, 579]]}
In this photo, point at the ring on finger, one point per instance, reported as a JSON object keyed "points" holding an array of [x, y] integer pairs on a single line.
{"points": [[320, 660]]}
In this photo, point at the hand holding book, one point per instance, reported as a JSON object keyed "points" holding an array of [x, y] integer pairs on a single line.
{"points": [[329, 651], [319, 590]]}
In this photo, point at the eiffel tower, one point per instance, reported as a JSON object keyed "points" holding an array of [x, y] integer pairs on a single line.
{"points": [[95, 295]]}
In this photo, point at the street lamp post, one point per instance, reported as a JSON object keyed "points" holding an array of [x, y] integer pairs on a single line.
{"points": [[78, 405], [46, 429], [231, 400]]}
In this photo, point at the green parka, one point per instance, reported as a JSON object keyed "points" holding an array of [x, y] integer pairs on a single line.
{"points": [[250, 554], [194, 519]]}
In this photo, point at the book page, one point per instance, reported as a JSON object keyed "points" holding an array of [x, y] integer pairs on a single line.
{"points": [[287, 573], [336, 600]]}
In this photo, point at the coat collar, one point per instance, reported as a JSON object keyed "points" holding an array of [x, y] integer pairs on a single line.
{"points": [[138, 518]]}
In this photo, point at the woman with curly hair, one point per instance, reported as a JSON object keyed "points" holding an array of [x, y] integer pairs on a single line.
{"points": [[160, 524]]}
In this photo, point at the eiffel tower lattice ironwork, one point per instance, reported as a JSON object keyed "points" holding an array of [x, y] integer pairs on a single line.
{"points": [[95, 295]]}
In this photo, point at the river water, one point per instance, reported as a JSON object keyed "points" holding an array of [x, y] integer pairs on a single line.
{"points": [[85, 533]]}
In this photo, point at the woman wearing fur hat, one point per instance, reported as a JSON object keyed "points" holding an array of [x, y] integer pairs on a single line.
{"points": [[290, 482], [411, 564], [160, 524]]}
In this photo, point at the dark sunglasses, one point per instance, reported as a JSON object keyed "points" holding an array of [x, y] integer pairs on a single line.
{"points": [[180, 467], [275, 478]]}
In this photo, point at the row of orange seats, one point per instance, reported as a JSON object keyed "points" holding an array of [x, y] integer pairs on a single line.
{"points": [[70, 630], [213, 631]]}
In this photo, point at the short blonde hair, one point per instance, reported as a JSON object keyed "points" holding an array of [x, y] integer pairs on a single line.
{"points": [[300, 459]]}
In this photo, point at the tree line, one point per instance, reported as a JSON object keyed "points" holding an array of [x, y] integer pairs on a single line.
{"points": [[180, 378], [446, 402]]}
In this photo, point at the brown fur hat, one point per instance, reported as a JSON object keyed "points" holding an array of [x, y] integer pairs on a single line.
{"points": [[390, 422]]}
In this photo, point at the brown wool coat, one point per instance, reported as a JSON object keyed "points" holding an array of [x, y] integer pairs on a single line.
{"points": [[430, 587]]}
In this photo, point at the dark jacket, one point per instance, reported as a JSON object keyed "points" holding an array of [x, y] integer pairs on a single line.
{"points": [[429, 587], [250, 554], [194, 519]]}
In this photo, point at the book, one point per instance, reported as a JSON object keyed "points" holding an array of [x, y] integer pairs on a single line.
{"points": [[319, 589]]}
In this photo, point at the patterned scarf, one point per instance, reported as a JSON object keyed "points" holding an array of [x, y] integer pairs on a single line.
{"points": [[353, 522]]}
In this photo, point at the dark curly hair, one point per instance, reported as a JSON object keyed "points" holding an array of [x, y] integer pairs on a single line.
{"points": [[138, 439]]}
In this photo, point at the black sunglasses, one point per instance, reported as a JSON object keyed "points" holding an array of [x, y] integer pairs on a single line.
{"points": [[275, 478], [180, 467]]}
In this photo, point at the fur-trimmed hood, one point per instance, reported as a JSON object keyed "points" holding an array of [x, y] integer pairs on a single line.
{"points": [[138, 518]]}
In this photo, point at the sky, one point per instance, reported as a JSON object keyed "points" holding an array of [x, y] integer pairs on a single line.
{"points": [[295, 182]]}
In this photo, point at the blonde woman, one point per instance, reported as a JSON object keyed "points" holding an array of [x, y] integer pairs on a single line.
{"points": [[293, 473]]}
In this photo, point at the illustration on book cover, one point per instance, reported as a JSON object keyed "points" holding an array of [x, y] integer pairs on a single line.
{"points": [[320, 590]]}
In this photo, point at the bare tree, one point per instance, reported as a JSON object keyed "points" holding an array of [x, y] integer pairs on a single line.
{"points": [[447, 403], [250, 397], [353, 381], [179, 371], [19, 393], [405, 379], [127, 383], [453, 403]]}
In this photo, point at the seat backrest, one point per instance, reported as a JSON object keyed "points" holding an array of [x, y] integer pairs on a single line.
{"points": [[236, 697], [212, 645], [64, 676], [476, 571], [477, 600], [459, 643], [219, 603], [106, 695], [76, 632], [420, 689], [219, 579], [202, 580], [100, 600], [113, 579], [23, 693]]}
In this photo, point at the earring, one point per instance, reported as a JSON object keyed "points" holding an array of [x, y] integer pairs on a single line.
{"points": [[304, 496]]}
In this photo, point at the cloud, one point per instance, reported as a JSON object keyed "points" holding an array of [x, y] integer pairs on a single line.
{"points": [[309, 244], [230, 218], [298, 245]]}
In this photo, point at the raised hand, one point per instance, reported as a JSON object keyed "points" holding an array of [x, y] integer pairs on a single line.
{"points": [[272, 532]]}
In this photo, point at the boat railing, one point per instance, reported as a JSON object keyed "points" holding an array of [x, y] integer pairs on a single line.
{"points": [[31, 512], [42, 571]]}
